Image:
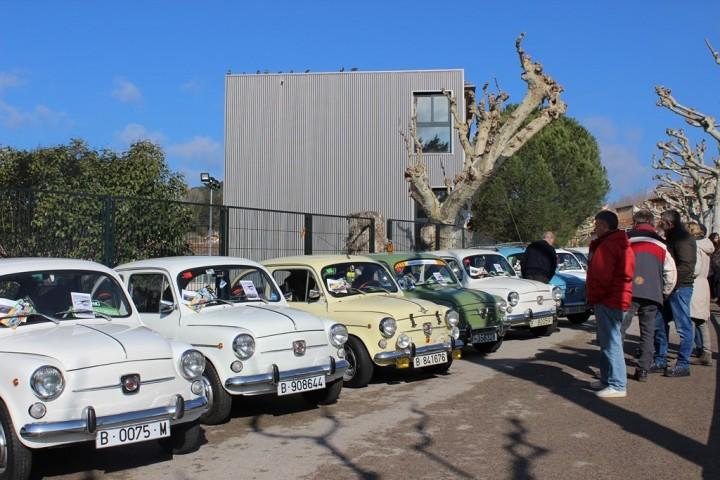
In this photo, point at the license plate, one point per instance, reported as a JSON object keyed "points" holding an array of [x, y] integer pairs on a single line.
{"points": [[132, 434], [539, 322], [575, 309], [430, 359], [288, 387], [484, 337]]}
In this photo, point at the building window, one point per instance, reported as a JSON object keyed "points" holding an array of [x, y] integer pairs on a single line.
{"points": [[434, 126]]}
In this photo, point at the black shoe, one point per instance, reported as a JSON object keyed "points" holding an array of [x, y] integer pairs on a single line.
{"points": [[677, 372], [641, 375], [657, 368]]}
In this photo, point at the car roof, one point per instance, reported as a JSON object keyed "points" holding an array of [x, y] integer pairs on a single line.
{"points": [[465, 252], [401, 256], [38, 264], [316, 260], [175, 265]]}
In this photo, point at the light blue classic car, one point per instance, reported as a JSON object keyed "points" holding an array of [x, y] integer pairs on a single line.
{"points": [[573, 306]]}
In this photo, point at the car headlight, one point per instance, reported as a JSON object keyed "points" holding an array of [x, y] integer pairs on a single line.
{"points": [[403, 341], [455, 333], [557, 293], [192, 364], [47, 382], [338, 335], [388, 327], [244, 346], [513, 298], [503, 306], [452, 318]]}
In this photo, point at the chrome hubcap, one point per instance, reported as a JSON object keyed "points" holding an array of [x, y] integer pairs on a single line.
{"points": [[350, 357], [3, 450]]}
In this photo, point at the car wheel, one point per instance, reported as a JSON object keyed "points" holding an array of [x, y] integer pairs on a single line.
{"points": [[488, 347], [222, 401], [184, 438], [439, 369], [578, 318], [545, 330], [361, 366], [15, 458], [326, 396]]}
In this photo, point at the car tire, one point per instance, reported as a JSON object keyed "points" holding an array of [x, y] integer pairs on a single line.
{"points": [[361, 366], [489, 347], [439, 369], [222, 401], [326, 396], [578, 318], [545, 330], [15, 458], [184, 438]]}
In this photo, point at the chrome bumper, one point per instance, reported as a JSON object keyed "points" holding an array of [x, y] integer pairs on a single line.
{"points": [[522, 319], [84, 429], [267, 382], [388, 358]]}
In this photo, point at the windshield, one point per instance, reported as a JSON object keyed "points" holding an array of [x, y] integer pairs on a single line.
{"points": [[410, 273], [582, 259], [567, 261], [60, 295], [490, 265], [228, 283], [345, 279]]}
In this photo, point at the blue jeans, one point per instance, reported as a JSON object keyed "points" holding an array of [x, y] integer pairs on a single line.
{"points": [[612, 357], [677, 309]]}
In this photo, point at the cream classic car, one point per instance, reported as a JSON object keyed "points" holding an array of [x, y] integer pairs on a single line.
{"points": [[530, 304], [385, 327], [231, 310], [77, 365]]}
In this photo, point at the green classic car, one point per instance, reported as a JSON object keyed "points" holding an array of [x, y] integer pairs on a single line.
{"points": [[426, 276]]}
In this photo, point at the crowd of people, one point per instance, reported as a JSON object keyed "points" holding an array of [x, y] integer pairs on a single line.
{"points": [[665, 273]]}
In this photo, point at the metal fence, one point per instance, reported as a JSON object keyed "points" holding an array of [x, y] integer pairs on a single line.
{"points": [[115, 229], [415, 236]]}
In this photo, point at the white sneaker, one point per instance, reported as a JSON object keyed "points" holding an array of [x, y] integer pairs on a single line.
{"points": [[610, 392], [597, 385]]}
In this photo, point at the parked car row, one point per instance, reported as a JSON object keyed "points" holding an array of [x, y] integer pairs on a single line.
{"points": [[150, 350]]}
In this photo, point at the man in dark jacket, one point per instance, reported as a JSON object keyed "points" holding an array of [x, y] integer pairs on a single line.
{"points": [[540, 260], [654, 268], [609, 289], [681, 246]]}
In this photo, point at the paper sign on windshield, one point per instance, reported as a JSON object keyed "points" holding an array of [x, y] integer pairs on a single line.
{"points": [[82, 301], [439, 278], [498, 267], [10, 308], [337, 285], [476, 272], [250, 290]]}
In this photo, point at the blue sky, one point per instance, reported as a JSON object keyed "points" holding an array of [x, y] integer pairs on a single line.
{"points": [[113, 72]]}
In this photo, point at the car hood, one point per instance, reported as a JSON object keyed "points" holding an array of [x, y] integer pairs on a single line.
{"points": [[565, 280], [501, 286], [457, 296], [79, 344], [397, 306], [260, 320], [581, 274]]}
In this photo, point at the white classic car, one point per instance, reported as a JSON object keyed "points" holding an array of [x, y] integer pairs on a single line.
{"points": [[77, 365], [569, 263], [530, 303], [232, 311]]}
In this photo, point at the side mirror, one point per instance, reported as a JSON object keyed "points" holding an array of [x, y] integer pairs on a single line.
{"points": [[287, 296], [167, 307], [314, 295]]}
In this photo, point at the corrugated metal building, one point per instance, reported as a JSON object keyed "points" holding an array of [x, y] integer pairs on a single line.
{"points": [[330, 142]]}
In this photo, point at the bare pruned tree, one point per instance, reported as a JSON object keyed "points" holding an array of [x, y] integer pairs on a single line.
{"points": [[689, 182], [488, 137]]}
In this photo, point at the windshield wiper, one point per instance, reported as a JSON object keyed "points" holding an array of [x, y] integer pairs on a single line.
{"points": [[41, 315], [75, 311]]}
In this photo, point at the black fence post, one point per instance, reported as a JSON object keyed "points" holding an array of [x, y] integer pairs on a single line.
{"points": [[223, 230], [108, 230], [371, 237], [308, 234], [389, 230], [437, 236]]}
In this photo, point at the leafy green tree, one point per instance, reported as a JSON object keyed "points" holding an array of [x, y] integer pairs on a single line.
{"points": [[554, 182], [74, 201]]}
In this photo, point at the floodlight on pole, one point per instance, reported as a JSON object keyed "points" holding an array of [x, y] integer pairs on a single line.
{"points": [[211, 183]]}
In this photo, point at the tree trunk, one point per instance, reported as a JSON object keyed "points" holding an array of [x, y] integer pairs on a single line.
{"points": [[440, 237], [716, 208]]}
